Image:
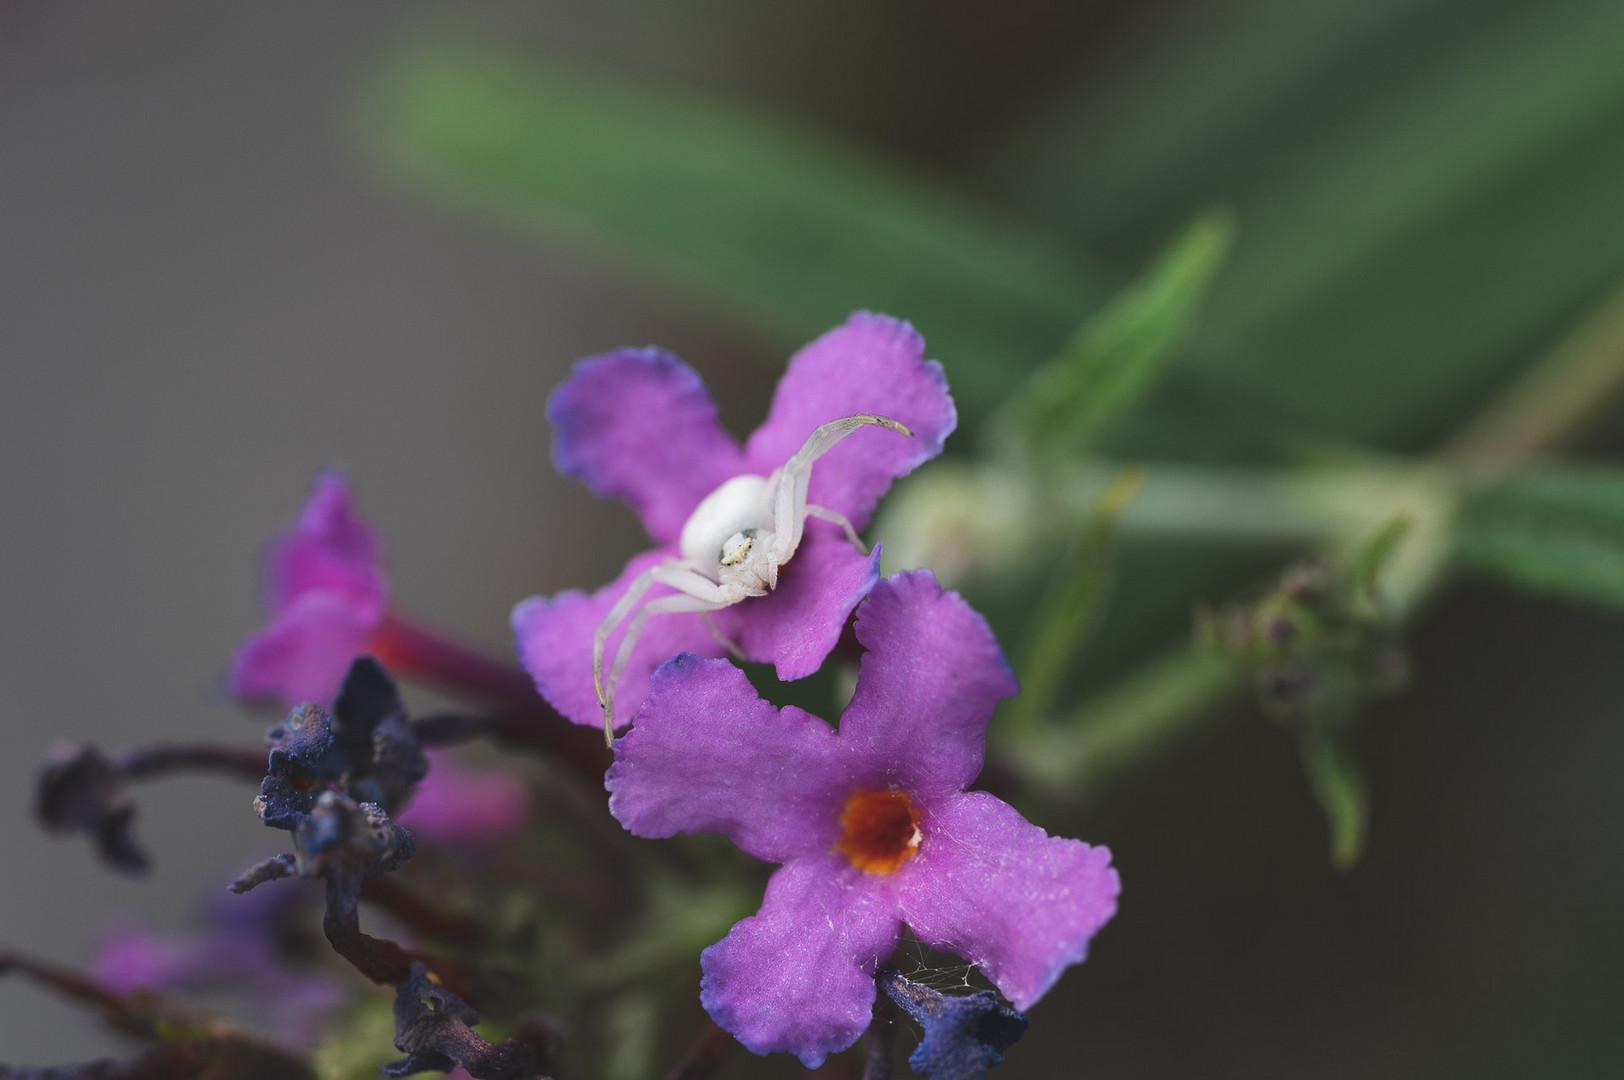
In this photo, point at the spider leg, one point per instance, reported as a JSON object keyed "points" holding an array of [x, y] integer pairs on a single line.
{"points": [[664, 605], [823, 513], [789, 498], [675, 573], [617, 614], [733, 647], [684, 578]]}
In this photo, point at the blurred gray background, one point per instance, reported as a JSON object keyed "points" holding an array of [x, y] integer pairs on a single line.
{"points": [[210, 297], [209, 300]]}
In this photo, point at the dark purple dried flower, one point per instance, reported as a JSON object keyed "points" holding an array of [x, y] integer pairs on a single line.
{"points": [[965, 1034], [81, 789], [433, 1028], [77, 790], [366, 747], [344, 843]]}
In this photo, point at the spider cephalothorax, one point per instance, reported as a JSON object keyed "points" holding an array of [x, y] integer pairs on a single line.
{"points": [[732, 547]]}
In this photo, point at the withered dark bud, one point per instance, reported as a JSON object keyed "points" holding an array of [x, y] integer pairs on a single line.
{"points": [[78, 790], [965, 1034], [433, 1027]]}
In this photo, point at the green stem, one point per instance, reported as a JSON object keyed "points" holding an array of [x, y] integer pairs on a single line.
{"points": [[1120, 728], [1560, 397], [1063, 622]]}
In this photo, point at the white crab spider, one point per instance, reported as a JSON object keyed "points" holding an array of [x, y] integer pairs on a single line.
{"points": [[732, 547]]}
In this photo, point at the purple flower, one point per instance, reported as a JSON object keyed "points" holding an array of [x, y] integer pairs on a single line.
{"points": [[639, 425], [871, 823], [327, 595], [238, 950], [454, 804]]}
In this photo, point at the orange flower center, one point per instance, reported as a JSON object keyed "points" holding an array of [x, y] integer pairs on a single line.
{"points": [[879, 830]]}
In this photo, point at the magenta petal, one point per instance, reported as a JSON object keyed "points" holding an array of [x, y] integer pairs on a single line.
{"points": [[329, 549], [929, 680], [454, 804], [130, 958], [303, 654], [872, 364], [797, 624], [709, 755], [554, 640], [798, 976], [639, 425], [997, 890]]}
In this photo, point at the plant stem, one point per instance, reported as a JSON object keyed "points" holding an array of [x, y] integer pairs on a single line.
{"points": [[426, 655], [1561, 395], [1128, 723]]}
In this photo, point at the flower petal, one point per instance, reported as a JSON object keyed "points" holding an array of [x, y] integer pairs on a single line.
{"points": [[454, 804], [797, 624], [709, 755], [639, 425], [1018, 903], [130, 957], [305, 651], [554, 640], [328, 549], [798, 976], [872, 364], [928, 683]]}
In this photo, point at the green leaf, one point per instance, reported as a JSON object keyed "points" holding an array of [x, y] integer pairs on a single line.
{"points": [[1118, 355], [1553, 531], [779, 226], [1340, 787], [1370, 557], [1419, 190], [1072, 605]]}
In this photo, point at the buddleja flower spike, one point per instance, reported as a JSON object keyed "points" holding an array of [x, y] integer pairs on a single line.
{"points": [[639, 425], [872, 824]]}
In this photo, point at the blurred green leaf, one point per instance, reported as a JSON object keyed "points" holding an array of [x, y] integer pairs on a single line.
{"points": [[1554, 531], [782, 227], [1424, 195], [1118, 355], [1369, 558], [1340, 787], [1072, 605]]}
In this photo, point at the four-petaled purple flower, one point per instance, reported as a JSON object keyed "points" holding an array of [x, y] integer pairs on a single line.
{"points": [[871, 823], [328, 596], [639, 425]]}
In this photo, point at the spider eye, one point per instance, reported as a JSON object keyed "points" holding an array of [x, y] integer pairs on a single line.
{"points": [[737, 548]]}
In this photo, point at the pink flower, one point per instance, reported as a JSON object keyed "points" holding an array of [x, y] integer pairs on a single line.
{"points": [[327, 595], [329, 602], [238, 949], [454, 804], [871, 823], [639, 425]]}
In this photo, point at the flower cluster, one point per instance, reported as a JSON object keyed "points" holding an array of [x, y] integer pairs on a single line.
{"points": [[873, 822]]}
